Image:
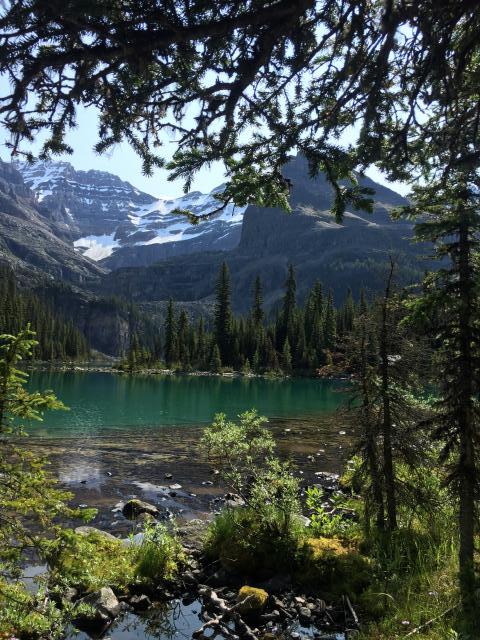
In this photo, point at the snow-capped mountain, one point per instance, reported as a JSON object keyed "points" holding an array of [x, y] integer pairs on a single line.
{"points": [[109, 219]]}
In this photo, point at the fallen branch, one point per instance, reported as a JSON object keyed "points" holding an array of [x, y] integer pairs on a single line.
{"points": [[352, 610], [432, 620], [226, 612]]}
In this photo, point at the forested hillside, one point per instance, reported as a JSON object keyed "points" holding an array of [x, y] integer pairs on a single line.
{"points": [[58, 338]]}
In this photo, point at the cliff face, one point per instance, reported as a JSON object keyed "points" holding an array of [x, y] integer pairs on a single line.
{"points": [[111, 221], [33, 243], [353, 253]]}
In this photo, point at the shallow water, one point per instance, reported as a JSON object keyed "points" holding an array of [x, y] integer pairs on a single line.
{"points": [[179, 619], [123, 435]]}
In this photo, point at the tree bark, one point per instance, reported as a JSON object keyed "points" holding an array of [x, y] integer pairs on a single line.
{"points": [[388, 470], [371, 452], [466, 425]]}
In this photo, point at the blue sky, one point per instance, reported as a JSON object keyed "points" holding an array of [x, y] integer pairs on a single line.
{"points": [[123, 162]]}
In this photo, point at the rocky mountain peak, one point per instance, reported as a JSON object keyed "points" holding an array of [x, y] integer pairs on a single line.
{"points": [[109, 219]]}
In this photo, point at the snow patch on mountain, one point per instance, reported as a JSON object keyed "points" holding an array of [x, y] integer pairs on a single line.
{"points": [[105, 214], [96, 247]]}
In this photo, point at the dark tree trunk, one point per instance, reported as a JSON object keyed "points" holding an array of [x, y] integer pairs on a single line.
{"points": [[371, 453], [388, 470], [466, 424]]}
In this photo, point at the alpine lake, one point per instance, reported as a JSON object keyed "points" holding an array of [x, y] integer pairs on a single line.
{"points": [[126, 436]]}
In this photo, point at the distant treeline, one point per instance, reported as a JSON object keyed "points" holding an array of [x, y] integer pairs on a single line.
{"points": [[299, 339], [58, 338]]}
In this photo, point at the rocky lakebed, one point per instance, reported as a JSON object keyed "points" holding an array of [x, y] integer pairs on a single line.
{"points": [[132, 478]]}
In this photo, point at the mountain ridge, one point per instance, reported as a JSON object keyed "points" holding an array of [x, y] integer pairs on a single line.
{"points": [[109, 219]]}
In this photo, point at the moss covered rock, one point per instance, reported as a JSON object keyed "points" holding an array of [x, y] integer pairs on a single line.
{"points": [[330, 564], [251, 600]]}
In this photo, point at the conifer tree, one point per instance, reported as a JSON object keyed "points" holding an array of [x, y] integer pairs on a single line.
{"points": [[258, 314], [224, 317], [348, 312], [215, 364], [171, 336], [201, 351], [450, 309], [289, 306], [286, 357], [183, 340], [330, 324]]}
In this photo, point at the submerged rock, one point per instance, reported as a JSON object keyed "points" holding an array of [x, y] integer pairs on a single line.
{"points": [[140, 603]]}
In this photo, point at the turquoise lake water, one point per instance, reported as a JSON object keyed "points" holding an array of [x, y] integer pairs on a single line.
{"points": [[102, 402]]}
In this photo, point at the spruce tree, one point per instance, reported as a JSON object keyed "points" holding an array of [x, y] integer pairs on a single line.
{"points": [[215, 364], [171, 336], [450, 308], [289, 306], [257, 313], [183, 340], [330, 324], [348, 312], [286, 357], [224, 317]]}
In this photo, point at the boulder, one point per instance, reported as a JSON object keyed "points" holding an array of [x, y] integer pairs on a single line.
{"points": [[252, 601], [140, 603], [305, 616], [103, 607], [133, 508], [233, 500]]}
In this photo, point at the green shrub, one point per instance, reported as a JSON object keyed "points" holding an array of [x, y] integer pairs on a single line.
{"points": [[89, 562], [335, 568], [265, 534], [324, 524], [249, 546], [159, 554], [23, 615]]}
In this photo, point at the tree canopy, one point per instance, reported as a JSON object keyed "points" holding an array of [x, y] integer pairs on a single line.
{"points": [[250, 83]]}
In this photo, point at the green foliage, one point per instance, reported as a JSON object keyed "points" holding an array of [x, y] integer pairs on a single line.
{"points": [[93, 560], [158, 556], [31, 505], [27, 615], [89, 562], [323, 523], [267, 528], [246, 545], [238, 448]]}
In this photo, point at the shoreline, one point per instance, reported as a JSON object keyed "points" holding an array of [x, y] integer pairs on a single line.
{"points": [[110, 368]]}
